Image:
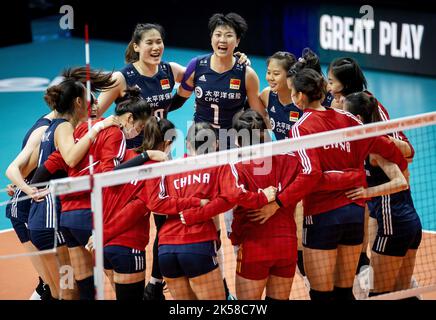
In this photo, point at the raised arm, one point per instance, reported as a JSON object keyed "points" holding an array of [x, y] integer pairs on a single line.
{"points": [[106, 98], [252, 87]]}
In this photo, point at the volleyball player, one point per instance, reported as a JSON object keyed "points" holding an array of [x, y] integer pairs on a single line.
{"points": [[18, 210], [399, 227], [277, 98], [125, 241], [220, 82], [333, 224], [345, 77]]}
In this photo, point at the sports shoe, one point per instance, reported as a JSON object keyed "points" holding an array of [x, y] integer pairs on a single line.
{"points": [[154, 291]]}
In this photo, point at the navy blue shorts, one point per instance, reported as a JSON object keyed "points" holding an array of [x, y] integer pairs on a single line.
{"points": [[124, 259], [45, 239], [342, 226], [77, 219], [405, 236], [190, 260], [21, 230], [76, 237]]}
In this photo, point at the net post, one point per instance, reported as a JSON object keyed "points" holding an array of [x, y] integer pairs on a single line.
{"points": [[97, 209]]}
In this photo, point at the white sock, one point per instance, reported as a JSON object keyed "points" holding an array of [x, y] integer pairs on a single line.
{"points": [[155, 280], [220, 258]]}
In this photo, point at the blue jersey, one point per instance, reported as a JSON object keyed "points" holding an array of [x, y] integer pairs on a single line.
{"points": [[156, 90], [328, 100], [282, 117], [390, 210], [45, 214], [19, 210], [218, 96]]}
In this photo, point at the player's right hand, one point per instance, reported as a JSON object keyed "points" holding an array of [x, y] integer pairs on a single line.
{"points": [[157, 155]]}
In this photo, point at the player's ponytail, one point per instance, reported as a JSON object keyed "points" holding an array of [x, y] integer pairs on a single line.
{"points": [[363, 105], [311, 83], [132, 102], [201, 137], [250, 127], [286, 59], [349, 74], [157, 131], [130, 55], [62, 97], [100, 80]]}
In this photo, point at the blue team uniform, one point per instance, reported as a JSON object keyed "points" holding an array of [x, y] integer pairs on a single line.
{"points": [[282, 117], [44, 216], [399, 226], [156, 90], [18, 211], [328, 100], [218, 96]]}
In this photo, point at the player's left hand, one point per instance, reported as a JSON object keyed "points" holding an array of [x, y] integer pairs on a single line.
{"points": [[263, 214], [357, 193], [10, 189], [243, 58]]}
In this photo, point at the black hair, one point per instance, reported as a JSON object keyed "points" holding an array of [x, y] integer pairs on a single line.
{"points": [[364, 105], [130, 54], [308, 59], [100, 80], [311, 83], [134, 103], [232, 20], [155, 132], [61, 97], [287, 59], [349, 74], [201, 136], [251, 122]]}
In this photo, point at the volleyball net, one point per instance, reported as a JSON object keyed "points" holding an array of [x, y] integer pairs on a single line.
{"points": [[410, 276]]}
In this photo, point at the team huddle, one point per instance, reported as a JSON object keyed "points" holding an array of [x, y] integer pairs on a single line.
{"points": [[310, 211]]}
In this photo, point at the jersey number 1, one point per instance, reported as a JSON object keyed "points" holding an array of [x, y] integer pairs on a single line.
{"points": [[216, 110]]}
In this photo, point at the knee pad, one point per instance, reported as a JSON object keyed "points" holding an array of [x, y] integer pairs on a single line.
{"points": [[131, 291], [271, 299], [86, 288], [343, 294], [321, 295]]}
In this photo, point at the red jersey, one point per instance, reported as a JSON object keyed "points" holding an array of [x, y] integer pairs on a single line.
{"points": [[126, 210], [398, 135], [278, 171], [211, 183], [108, 150], [114, 199], [337, 156]]}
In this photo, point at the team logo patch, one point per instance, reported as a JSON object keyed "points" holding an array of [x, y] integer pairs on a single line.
{"points": [[165, 84], [198, 92], [293, 116], [235, 84]]}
